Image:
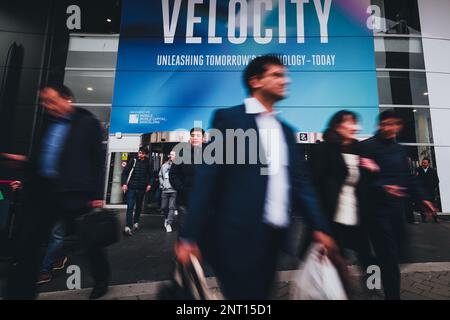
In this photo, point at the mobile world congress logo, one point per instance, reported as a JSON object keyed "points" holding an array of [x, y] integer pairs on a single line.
{"points": [[133, 119]]}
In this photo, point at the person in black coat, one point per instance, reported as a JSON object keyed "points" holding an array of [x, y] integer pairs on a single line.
{"points": [[65, 180], [182, 173], [238, 213], [340, 185], [388, 187], [430, 182]]}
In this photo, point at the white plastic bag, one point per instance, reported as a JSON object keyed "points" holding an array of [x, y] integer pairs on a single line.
{"points": [[317, 279]]}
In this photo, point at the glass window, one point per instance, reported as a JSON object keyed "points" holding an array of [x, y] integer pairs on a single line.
{"points": [[399, 16], [90, 73], [403, 88], [400, 53], [92, 87], [92, 51]]}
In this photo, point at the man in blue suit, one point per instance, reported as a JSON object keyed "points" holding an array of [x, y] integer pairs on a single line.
{"points": [[238, 214]]}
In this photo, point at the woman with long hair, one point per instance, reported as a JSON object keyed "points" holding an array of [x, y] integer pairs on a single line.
{"points": [[339, 184]]}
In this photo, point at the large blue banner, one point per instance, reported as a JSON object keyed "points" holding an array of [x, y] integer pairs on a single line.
{"points": [[179, 60]]}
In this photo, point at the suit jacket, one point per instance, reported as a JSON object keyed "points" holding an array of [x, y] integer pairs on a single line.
{"points": [[429, 181], [225, 211], [82, 161]]}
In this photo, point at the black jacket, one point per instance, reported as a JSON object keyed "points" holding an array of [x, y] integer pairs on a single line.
{"points": [[329, 173], [181, 177], [429, 181], [226, 216], [82, 161], [392, 159], [141, 182]]}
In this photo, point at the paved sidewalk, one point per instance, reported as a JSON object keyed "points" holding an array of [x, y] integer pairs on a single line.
{"points": [[148, 255], [420, 281], [140, 262]]}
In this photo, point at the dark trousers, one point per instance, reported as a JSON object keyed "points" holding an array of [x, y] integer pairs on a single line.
{"points": [[135, 197], [43, 208], [386, 233], [242, 279], [409, 211], [355, 238], [425, 212]]}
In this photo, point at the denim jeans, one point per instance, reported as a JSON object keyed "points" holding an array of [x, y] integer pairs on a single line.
{"points": [[55, 246], [135, 197]]}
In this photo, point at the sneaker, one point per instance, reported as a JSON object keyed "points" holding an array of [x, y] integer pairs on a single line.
{"points": [[60, 264], [44, 277], [168, 228], [136, 227], [127, 231]]}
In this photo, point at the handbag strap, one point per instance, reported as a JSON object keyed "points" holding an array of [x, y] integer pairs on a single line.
{"points": [[193, 279], [199, 278], [131, 171]]}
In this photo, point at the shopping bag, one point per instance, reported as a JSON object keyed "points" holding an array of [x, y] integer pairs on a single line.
{"points": [[189, 283], [317, 279]]}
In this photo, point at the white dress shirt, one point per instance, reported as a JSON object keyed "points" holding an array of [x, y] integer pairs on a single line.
{"points": [[273, 143]]}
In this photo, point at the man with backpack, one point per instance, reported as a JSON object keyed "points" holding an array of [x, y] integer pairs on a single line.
{"points": [[136, 181]]}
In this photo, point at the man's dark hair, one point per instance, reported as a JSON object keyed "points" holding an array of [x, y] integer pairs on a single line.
{"points": [[257, 67], [63, 90], [197, 129], [427, 159], [389, 114], [144, 150]]}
